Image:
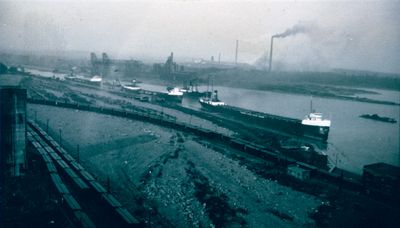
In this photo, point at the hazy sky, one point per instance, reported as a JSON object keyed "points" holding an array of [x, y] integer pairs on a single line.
{"points": [[340, 34]]}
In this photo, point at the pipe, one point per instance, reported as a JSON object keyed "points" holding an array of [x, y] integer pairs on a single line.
{"points": [[236, 53]]}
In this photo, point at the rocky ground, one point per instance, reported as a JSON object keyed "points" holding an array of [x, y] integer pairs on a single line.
{"points": [[175, 179], [29, 201]]}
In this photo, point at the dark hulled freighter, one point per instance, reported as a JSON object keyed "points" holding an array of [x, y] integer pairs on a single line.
{"points": [[312, 126]]}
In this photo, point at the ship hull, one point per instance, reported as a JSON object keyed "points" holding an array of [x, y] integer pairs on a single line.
{"points": [[196, 95], [84, 81], [171, 98], [210, 107], [277, 123], [131, 90], [317, 132]]}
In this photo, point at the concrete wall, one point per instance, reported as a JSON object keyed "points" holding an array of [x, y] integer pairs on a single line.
{"points": [[12, 130]]}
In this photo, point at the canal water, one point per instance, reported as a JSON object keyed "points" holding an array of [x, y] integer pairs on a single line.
{"points": [[353, 141], [46, 74]]}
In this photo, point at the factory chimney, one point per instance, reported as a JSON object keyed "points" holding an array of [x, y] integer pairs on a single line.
{"points": [[270, 54], [296, 29], [236, 53]]}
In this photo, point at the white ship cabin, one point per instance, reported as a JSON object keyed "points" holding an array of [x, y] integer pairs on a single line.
{"points": [[96, 78], [175, 92], [217, 103], [212, 102], [315, 119], [131, 86]]}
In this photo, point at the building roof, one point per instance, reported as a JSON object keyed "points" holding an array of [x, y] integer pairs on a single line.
{"points": [[383, 169], [10, 80]]}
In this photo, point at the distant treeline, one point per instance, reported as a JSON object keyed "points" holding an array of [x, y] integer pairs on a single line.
{"points": [[257, 78]]}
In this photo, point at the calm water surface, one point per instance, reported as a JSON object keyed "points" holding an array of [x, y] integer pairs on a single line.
{"points": [[353, 141], [46, 74]]}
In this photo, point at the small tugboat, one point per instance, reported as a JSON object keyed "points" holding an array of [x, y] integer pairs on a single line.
{"points": [[211, 101], [132, 87], [174, 94], [193, 91], [378, 118]]}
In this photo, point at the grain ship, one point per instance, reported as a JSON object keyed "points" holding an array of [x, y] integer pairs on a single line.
{"points": [[312, 126], [95, 80]]}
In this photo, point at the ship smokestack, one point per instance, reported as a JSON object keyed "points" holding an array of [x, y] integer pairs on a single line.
{"points": [[270, 54]]}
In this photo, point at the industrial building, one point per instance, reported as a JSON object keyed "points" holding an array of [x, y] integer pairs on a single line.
{"points": [[12, 128]]}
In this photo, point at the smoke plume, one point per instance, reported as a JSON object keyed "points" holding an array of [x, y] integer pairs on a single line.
{"points": [[298, 28]]}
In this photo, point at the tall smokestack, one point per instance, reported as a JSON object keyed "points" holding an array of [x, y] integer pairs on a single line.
{"points": [[270, 54], [236, 54], [300, 27]]}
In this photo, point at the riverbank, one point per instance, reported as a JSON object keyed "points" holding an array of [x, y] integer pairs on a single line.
{"points": [[349, 148], [314, 90], [173, 177], [318, 84]]}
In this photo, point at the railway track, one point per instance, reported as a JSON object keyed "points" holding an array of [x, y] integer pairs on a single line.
{"points": [[261, 151], [84, 200]]}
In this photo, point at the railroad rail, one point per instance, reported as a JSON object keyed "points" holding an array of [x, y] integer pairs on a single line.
{"points": [[61, 165], [70, 204], [238, 143]]}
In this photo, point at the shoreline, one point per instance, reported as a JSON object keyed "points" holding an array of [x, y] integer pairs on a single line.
{"points": [[287, 90]]}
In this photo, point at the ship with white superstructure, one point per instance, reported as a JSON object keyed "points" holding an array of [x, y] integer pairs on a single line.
{"points": [[131, 87], [173, 94], [95, 80], [312, 126], [211, 100]]}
